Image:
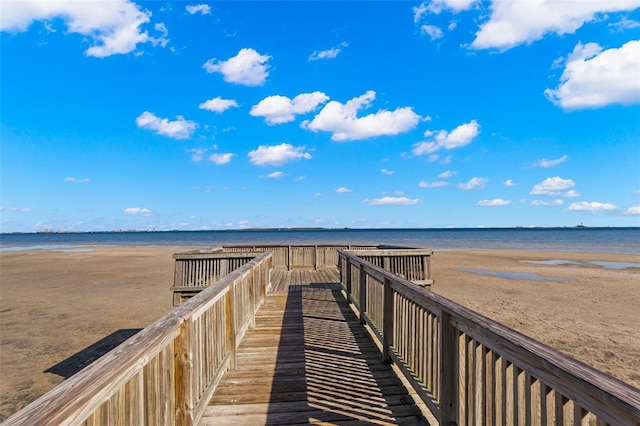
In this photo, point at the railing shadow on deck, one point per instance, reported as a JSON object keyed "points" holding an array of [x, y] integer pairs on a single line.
{"points": [[329, 370]]}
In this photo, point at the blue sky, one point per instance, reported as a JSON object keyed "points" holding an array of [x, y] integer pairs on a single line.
{"points": [[219, 115]]}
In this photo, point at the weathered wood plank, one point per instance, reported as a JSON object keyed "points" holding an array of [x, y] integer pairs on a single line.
{"points": [[308, 360]]}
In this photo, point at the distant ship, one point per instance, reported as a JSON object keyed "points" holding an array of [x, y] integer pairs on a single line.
{"points": [[580, 226]]}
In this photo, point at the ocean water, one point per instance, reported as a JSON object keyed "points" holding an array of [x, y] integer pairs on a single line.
{"points": [[608, 240]]}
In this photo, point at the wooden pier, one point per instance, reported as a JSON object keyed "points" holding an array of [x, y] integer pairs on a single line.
{"points": [[308, 360], [328, 335]]}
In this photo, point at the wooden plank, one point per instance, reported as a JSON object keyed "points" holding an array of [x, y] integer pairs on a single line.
{"points": [[308, 360]]}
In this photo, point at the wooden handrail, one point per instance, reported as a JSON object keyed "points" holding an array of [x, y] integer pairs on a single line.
{"points": [[468, 368], [167, 373]]}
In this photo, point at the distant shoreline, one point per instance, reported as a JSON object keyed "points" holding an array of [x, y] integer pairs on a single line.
{"points": [[311, 229]]}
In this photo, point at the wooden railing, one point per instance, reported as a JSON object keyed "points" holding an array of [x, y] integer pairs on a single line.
{"points": [[290, 257], [196, 270], [411, 264], [469, 369], [167, 373]]}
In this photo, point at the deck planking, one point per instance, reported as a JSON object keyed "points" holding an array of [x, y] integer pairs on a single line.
{"points": [[309, 361]]}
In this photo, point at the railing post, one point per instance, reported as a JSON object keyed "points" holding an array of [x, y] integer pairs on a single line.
{"points": [[348, 276], [229, 313], [363, 294], [289, 262], [449, 371], [388, 316], [184, 375]]}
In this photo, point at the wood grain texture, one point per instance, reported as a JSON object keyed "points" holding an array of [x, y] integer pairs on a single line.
{"points": [[308, 360]]}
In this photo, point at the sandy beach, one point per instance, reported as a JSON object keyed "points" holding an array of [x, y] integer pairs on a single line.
{"points": [[56, 304]]}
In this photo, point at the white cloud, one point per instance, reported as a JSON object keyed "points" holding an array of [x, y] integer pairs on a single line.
{"points": [[218, 104], [300, 178], [343, 122], [15, 209], [112, 27], [571, 194], [327, 54], [396, 201], [547, 203], [552, 186], [509, 182], [387, 172], [493, 203], [248, 68], [474, 183], [419, 11], [594, 206], [436, 184], [221, 158], [275, 175], [278, 109], [342, 190], [635, 210], [432, 31], [595, 78], [458, 137], [624, 24], [549, 163], [437, 6], [203, 9], [137, 210], [276, 155], [446, 175], [177, 129], [517, 22], [76, 180]]}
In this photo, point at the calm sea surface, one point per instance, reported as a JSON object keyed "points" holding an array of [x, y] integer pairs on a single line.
{"points": [[610, 240]]}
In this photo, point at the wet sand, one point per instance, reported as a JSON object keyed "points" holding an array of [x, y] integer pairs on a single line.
{"points": [[57, 304]]}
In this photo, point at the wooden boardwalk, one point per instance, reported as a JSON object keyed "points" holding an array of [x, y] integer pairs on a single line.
{"points": [[308, 360]]}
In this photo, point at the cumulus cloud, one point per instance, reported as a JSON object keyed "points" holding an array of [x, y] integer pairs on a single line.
{"points": [[436, 184], [594, 77], [342, 120], [474, 183], [433, 31], [327, 54], [76, 180], [342, 190], [278, 109], [221, 158], [276, 155], [177, 129], [547, 203], [137, 211], [248, 68], [275, 175], [218, 104], [572, 193], [446, 175], [552, 186], [594, 206], [112, 27], [516, 22], [544, 163], [458, 137], [387, 172], [203, 9], [509, 182], [632, 211], [396, 201], [493, 203]]}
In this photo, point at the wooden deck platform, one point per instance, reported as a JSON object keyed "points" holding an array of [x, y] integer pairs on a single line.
{"points": [[308, 360]]}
